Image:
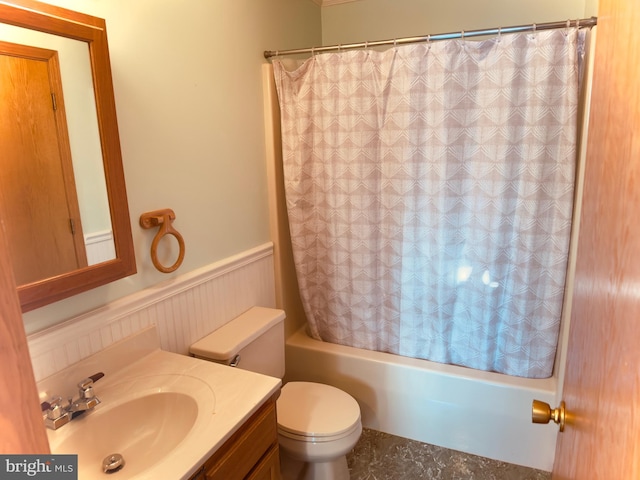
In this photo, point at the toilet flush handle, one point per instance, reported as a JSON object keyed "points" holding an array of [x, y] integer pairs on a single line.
{"points": [[235, 361]]}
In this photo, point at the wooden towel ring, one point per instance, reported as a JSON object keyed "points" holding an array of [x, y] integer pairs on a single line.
{"points": [[163, 219]]}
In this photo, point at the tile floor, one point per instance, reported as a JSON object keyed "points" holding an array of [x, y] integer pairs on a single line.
{"points": [[380, 456]]}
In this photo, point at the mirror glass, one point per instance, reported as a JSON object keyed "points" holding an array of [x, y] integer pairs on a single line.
{"points": [[90, 189], [62, 164]]}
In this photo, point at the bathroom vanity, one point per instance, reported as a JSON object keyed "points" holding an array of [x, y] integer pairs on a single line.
{"points": [[251, 453], [167, 416]]}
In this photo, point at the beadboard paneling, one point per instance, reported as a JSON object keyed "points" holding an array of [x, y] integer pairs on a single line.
{"points": [[184, 309], [99, 247]]}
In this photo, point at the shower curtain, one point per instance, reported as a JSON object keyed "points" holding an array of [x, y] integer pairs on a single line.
{"points": [[429, 190]]}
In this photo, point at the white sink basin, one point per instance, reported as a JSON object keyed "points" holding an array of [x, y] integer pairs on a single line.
{"points": [[143, 420]]}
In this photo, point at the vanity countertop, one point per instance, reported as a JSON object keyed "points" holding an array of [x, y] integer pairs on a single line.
{"points": [[226, 398]]}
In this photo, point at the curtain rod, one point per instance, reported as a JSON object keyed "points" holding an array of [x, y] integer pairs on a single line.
{"points": [[585, 22]]}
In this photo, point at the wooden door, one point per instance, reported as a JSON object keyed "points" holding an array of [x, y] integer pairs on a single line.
{"points": [[21, 424], [602, 384], [40, 206]]}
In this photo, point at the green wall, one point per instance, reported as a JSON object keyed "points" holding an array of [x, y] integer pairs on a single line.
{"points": [[188, 88], [387, 19]]}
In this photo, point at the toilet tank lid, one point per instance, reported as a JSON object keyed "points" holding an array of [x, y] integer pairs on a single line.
{"points": [[225, 342]]}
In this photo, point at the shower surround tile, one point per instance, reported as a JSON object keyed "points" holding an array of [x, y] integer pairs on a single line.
{"points": [[380, 456]]}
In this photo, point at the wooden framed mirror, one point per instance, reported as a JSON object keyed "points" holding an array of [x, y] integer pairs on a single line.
{"points": [[87, 34]]}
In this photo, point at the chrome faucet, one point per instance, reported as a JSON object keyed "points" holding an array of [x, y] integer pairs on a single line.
{"points": [[57, 413]]}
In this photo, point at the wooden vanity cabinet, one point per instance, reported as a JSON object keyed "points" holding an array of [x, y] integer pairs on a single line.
{"points": [[250, 454]]}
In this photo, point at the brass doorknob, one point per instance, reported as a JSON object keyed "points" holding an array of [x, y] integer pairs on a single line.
{"points": [[541, 412]]}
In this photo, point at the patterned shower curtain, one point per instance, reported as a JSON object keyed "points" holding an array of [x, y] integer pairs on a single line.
{"points": [[430, 193]]}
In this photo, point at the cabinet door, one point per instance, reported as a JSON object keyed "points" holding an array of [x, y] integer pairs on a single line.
{"points": [[268, 468], [237, 458]]}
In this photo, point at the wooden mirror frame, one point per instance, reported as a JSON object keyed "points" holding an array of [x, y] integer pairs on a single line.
{"points": [[54, 20]]}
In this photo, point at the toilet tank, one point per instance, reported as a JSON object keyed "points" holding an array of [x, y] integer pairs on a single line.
{"points": [[252, 341]]}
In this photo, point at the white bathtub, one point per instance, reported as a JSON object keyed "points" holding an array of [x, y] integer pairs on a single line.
{"points": [[477, 412]]}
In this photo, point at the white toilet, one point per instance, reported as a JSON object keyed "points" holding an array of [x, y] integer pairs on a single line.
{"points": [[317, 424]]}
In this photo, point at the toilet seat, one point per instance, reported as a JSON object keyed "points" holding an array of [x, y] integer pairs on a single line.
{"points": [[316, 412]]}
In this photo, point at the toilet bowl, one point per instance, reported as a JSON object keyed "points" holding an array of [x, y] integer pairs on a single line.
{"points": [[318, 424]]}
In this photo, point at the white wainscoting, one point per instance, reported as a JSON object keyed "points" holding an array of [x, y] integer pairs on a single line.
{"points": [[99, 247], [184, 309]]}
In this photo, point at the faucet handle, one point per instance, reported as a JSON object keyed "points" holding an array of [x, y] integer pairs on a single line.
{"points": [[85, 387], [96, 376], [55, 413], [53, 408]]}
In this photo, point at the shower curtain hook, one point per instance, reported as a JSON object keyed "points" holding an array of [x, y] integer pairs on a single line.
{"points": [[366, 45], [534, 28], [499, 34], [566, 32], [429, 41], [313, 51]]}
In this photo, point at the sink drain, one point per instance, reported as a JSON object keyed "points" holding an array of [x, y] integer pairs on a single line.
{"points": [[113, 463]]}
